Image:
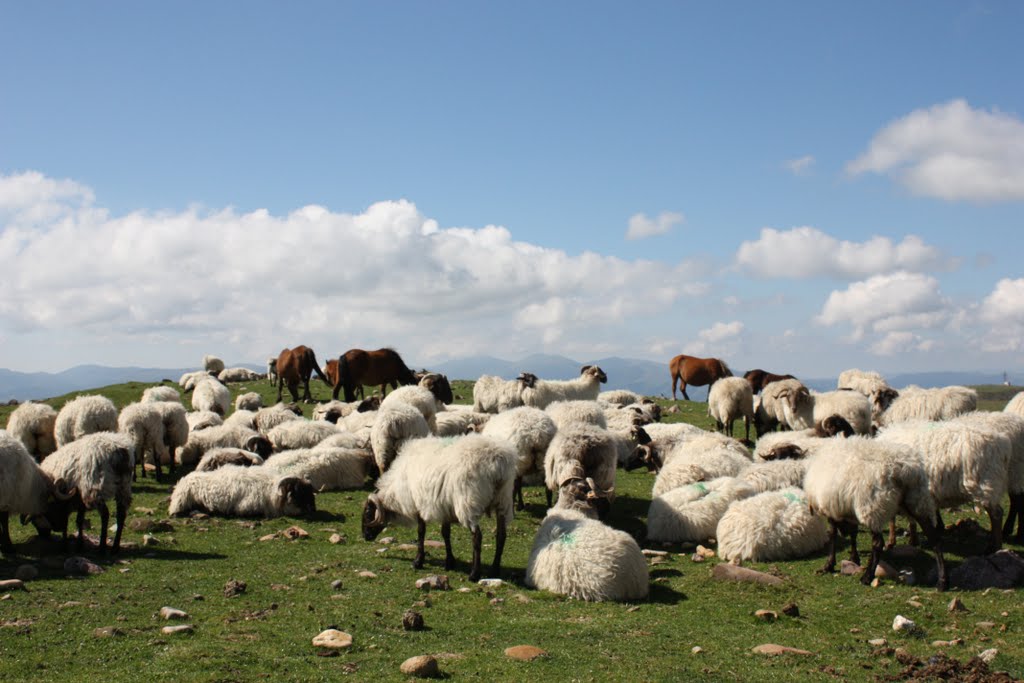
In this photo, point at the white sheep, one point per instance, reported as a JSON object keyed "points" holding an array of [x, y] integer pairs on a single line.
{"points": [[568, 414], [143, 423], [459, 422], [852, 406], [942, 403], [445, 481], [300, 434], [272, 370], [236, 491], [964, 464], [345, 439], [1012, 426], [209, 394], [271, 416], [872, 385], [584, 388], [581, 451], [623, 419], [800, 444], [770, 526], [242, 418], [585, 559], [33, 425], [395, 424], [774, 475], [212, 364], [84, 415], [231, 436], [188, 381], [249, 401], [327, 469], [493, 394], [160, 393], [24, 487], [418, 397], [729, 399], [712, 456], [692, 512], [529, 431], [1015, 405], [238, 375], [784, 402], [97, 468], [863, 481], [199, 420], [620, 397], [220, 457]]}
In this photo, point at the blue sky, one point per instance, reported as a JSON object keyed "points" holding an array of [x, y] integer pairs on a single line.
{"points": [[804, 187]]}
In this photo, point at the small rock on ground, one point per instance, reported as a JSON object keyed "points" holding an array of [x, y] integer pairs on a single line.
{"points": [[525, 653], [333, 638], [180, 628], [172, 613], [772, 649], [233, 588], [422, 666]]}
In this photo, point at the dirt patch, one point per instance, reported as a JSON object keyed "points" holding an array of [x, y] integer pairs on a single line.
{"points": [[942, 668]]}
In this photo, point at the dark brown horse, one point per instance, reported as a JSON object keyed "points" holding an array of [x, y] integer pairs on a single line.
{"points": [[760, 378], [294, 366], [357, 368], [696, 372]]}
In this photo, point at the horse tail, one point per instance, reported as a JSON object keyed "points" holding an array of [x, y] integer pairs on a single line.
{"points": [[726, 372], [319, 372]]}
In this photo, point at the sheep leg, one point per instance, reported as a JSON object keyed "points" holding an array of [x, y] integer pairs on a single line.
{"points": [[6, 545], [876, 551], [912, 533], [280, 388], [499, 545], [121, 513], [518, 493], [934, 533], [421, 534], [1011, 515], [852, 530], [474, 571], [101, 507], [746, 424], [995, 515], [830, 563], [548, 494], [892, 534], [80, 522], [449, 556]]}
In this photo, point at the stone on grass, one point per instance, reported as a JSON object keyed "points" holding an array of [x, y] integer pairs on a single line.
{"points": [[766, 615], [107, 632], [267, 537], [901, 623], [333, 638], [791, 609], [294, 532], [336, 584], [957, 605], [423, 666], [433, 544], [490, 583], [169, 613], [412, 620], [180, 628], [772, 649], [988, 655], [525, 653], [233, 588], [12, 585], [437, 582], [336, 539], [367, 575], [878, 642], [79, 566], [729, 572], [847, 568]]}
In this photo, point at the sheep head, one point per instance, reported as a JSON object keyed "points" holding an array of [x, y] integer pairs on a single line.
{"points": [[833, 425], [786, 451], [438, 385], [644, 455], [260, 445], [595, 372], [368, 404], [527, 379], [885, 397], [298, 494], [375, 517]]}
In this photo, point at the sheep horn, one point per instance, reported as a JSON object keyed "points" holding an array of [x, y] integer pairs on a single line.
{"points": [[62, 494]]}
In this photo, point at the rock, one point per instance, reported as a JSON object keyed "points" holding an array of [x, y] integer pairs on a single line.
{"points": [[333, 638], [267, 537], [79, 566], [233, 588], [658, 560], [181, 628], [914, 603], [772, 649], [412, 620], [490, 583], [728, 572], [169, 613], [433, 544], [673, 409], [367, 575], [465, 589], [295, 532], [697, 557], [986, 625], [423, 666], [705, 552], [149, 540], [901, 623], [387, 540], [336, 584], [1003, 569], [947, 643], [406, 547], [525, 653], [437, 582], [790, 609], [497, 601], [26, 572], [847, 568], [107, 632], [988, 655], [766, 615], [696, 650], [878, 642], [519, 597], [336, 539], [654, 553]]}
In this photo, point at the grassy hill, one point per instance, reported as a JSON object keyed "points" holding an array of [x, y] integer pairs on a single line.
{"points": [[49, 633]]}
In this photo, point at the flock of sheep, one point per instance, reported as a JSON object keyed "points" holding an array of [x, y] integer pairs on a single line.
{"points": [[858, 456]]}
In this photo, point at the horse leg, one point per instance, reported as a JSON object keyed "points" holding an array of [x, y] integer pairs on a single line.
{"points": [[675, 378], [682, 384], [293, 389], [280, 387]]}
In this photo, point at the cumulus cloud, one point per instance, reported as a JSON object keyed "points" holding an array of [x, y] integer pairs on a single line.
{"points": [[640, 226], [719, 339], [800, 165], [257, 281], [888, 303], [1003, 311], [901, 342], [950, 151], [807, 252]]}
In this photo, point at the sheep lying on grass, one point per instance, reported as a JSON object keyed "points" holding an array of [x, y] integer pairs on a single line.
{"points": [[327, 469], [160, 393], [235, 491], [219, 457], [774, 525], [692, 512]]}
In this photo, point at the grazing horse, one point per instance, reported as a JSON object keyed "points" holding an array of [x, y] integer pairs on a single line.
{"points": [[696, 372], [294, 366], [357, 368], [760, 378]]}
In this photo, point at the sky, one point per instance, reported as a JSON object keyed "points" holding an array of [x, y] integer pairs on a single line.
{"points": [[798, 186]]}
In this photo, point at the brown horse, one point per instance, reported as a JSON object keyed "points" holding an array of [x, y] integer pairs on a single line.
{"points": [[696, 372], [357, 368], [294, 366], [760, 378]]}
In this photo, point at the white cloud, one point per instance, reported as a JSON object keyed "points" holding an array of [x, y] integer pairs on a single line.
{"points": [[901, 342], [888, 303], [718, 340], [640, 226], [951, 151], [807, 252], [1003, 311], [800, 165]]}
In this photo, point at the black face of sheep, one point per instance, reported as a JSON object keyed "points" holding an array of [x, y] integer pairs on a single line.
{"points": [[373, 519], [885, 397], [596, 372], [298, 494], [260, 445], [527, 379], [833, 425], [644, 456], [785, 452], [369, 404], [439, 386]]}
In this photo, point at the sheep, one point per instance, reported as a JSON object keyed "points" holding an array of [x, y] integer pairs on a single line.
{"points": [[494, 395], [24, 487], [212, 364], [327, 469], [852, 406], [216, 458], [800, 444], [580, 451], [872, 385], [859, 480], [143, 423], [333, 411], [619, 397], [943, 403], [242, 418], [964, 464], [446, 480], [529, 431], [268, 418], [692, 512], [188, 381], [583, 388], [585, 559], [438, 385], [362, 423], [568, 414], [395, 424], [782, 402], [236, 491], [176, 429], [238, 375], [209, 394], [84, 415], [729, 399], [160, 393], [33, 425], [1015, 405], [1013, 427], [623, 419], [459, 422], [775, 475], [249, 401], [272, 370], [345, 439], [97, 468], [418, 397], [223, 436], [770, 526], [300, 434], [199, 420], [715, 457]]}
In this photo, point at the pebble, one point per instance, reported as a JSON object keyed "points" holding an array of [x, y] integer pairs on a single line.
{"points": [[497, 601], [726, 571], [791, 609], [947, 643], [387, 540], [433, 582], [149, 540], [878, 642], [847, 568], [423, 666], [433, 544], [79, 566], [336, 539], [367, 575], [267, 537], [987, 625], [181, 628], [654, 553], [988, 655], [705, 552], [412, 620], [294, 532], [336, 584], [697, 557], [172, 613], [772, 649], [525, 653], [406, 547], [26, 572], [901, 623], [333, 638], [490, 583], [914, 603], [233, 588], [696, 649], [766, 615], [465, 589]]}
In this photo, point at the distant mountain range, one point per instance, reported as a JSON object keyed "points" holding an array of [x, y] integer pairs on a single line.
{"points": [[645, 377]]}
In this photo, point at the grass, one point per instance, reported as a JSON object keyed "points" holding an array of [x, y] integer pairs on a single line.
{"points": [[47, 633]]}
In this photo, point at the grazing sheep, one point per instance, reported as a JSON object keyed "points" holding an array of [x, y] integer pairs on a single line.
{"points": [[620, 397], [459, 422], [775, 475], [199, 420], [271, 416], [189, 380], [219, 457], [859, 480], [1013, 427], [715, 457], [249, 401], [692, 512], [494, 395], [209, 394], [872, 385], [212, 364], [237, 375], [160, 393], [418, 397], [143, 423], [446, 480], [235, 491], [785, 402], [300, 434], [800, 444], [33, 425], [176, 429], [770, 526], [1015, 405], [529, 431], [759, 379], [242, 418], [567, 414], [97, 468], [943, 403], [333, 411], [585, 559], [84, 415], [24, 487], [624, 419], [729, 399], [224, 436], [327, 469], [581, 452], [584, 388], [438, 385], [395, 424]]}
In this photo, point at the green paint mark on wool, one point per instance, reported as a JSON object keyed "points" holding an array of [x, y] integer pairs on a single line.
{"points": [[793, 498], [568, 538], [700, 487]]}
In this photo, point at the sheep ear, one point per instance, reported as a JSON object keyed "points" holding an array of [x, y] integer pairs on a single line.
{"points": [[585, 368]]}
